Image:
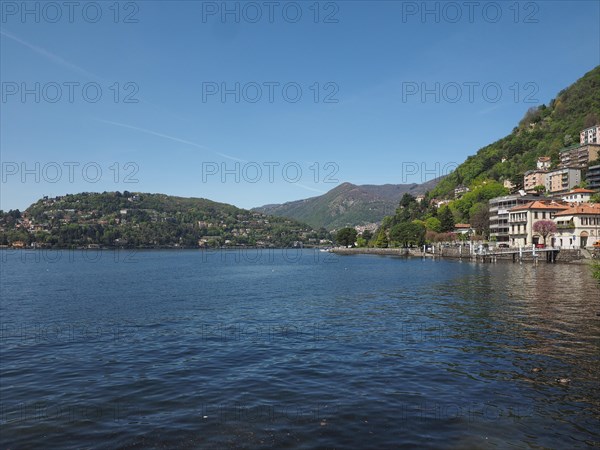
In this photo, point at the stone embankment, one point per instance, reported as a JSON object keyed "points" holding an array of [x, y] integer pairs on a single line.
{"points": [[562, 256]]}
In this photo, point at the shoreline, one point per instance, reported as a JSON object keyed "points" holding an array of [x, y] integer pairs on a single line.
{"points": [[569, 256], [563, 256]]}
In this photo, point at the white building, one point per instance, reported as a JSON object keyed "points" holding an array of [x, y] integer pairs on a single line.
{"points": [[578, 195], [543, 163], [590, 135], [522, 218], [578, 226]]}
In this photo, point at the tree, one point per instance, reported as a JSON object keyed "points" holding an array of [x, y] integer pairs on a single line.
{"points": [[540, 188], [433, 224], [480, 218], [382, 239], [407, 234], [406, 200], [346, 236], [367, 235], [544, 228], [590, 120], [408, 209], [446, 219]]}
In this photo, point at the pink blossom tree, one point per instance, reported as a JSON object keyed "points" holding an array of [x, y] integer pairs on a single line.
{"points": [[544, 228]]}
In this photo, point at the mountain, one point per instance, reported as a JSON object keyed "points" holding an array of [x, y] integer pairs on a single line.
{"points": [[347, 204], [543, 131], [132, 219]]}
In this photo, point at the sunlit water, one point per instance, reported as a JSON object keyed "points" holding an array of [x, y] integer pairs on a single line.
{"points": [[166, 349]]}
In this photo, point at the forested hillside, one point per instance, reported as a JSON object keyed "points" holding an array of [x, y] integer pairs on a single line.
{"points": [[147, 220], [543, 131]]}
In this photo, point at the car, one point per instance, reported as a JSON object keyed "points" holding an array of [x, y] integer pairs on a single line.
{"points": [[596, 245]]}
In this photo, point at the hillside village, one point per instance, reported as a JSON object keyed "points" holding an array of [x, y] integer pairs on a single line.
{"points": [[566, 195], [549, 206], [114, 219]]}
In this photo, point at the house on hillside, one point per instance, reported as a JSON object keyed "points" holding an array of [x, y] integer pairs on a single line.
{"points": [[543, 163], [578, 195], [579, 156], [459, 191], [562, 180], [463, 228], [534, 178], [590, 135]]}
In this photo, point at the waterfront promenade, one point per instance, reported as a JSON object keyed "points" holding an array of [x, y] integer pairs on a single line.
{"points": [[551, 255]]}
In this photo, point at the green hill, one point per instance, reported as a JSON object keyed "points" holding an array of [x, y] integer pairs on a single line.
{"points": [[543, 131], [146, 220], [347, 204]]}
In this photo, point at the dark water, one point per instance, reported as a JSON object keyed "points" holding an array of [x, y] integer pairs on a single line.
{"points": [[186, 349]]}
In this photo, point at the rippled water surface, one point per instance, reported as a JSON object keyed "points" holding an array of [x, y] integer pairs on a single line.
{"points": [[186, 349]]}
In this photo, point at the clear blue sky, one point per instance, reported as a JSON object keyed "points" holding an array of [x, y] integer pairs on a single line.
{"points": [[365, 55]]}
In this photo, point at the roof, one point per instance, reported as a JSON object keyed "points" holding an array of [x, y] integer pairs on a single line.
{"points": [[572, 147], [581, 191], [584, 208], [462, 225], [539, 204], [544, 158]]}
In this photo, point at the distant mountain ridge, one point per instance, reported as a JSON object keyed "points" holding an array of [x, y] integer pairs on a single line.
{"points": [[347, 204]]}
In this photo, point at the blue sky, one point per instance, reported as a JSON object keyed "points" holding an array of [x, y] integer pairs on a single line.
{"points": [[321, 99]]}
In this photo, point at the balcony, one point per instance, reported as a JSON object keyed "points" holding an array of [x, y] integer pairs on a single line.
{"points": [[565, 226]]}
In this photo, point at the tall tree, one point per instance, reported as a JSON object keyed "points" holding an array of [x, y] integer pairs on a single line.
{"points": [[480, 218], [382, 239], [446, 219]]}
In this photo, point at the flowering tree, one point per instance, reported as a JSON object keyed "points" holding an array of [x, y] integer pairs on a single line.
{"points": [[544, 228]]}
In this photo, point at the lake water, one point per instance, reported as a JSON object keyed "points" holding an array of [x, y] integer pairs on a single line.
{"points": [[191, 349]]}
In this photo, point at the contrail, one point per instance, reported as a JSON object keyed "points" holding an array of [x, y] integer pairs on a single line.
{"points": [[308, 188], [171, 138], [51, 56], [193, 144]]}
